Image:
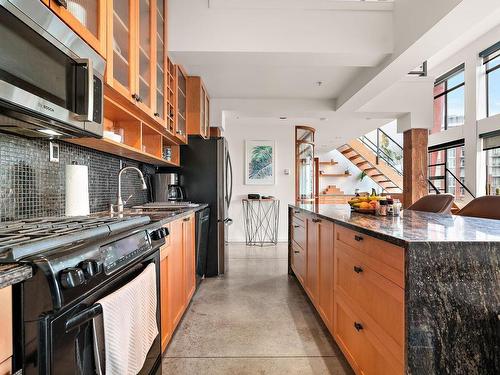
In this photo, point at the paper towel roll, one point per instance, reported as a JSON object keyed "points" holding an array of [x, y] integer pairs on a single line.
{"points": [[77, 190]]}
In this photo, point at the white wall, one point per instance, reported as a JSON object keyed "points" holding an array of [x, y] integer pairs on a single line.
{"points": [[347, 184], [236, 132], [475, 99]]}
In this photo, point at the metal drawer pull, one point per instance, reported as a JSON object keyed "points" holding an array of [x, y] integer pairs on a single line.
{"points": [[358, 326], [296, 226], [316, 220], [296, 252], [358, 269], [186, 219], [358, 238]]}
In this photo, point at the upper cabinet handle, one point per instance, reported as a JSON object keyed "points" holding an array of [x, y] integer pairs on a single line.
{"points": [[186, 219], [316, 220], [296, 212], [62, 3], [358, 238], [296, 226]]}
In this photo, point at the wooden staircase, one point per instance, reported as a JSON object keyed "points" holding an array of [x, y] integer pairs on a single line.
{"points": [[333, 190], [381, 173]]}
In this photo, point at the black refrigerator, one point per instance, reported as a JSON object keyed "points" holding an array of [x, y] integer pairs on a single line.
{"points": [[207, 177]]}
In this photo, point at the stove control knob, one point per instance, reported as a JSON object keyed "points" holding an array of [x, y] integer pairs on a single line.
{"points": [[159, 234], [90, 268], [72, 277]]}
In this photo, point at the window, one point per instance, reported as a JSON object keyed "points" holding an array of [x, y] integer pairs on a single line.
{"points": [[491, 146], [449, 100], [491, 60], [447, 168]]}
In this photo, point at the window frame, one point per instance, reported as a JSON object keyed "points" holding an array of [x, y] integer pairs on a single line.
{"points": [[446, 148], [488, 55], [444, 79]]}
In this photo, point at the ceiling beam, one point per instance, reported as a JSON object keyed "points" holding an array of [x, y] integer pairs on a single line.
{"points": [[277, 30], [303, 4], [437, 26]]}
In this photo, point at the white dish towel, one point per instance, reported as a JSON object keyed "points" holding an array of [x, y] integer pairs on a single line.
{"points": [[129, 324]]}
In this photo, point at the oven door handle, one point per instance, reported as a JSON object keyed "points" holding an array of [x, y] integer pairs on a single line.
{"points": [[83, 317], [88, 99]]}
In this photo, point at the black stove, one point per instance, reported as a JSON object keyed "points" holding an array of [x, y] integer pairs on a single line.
{"points": [[22, 238], [75, 261]]}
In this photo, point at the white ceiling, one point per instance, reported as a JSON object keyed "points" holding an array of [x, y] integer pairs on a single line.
{"points": [[273, 53]]}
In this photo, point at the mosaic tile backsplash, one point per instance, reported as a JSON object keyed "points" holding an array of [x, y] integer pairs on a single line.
{"points": [[31, 186]]}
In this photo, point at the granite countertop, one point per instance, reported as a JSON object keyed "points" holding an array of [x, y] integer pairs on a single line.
{"points": [[15, 273], [411, 226]]}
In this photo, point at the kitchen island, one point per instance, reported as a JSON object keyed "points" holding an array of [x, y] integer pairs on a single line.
{"points": [[415, 294]]}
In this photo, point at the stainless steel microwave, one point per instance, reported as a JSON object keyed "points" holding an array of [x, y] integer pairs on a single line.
{"points": [[51, 81]]}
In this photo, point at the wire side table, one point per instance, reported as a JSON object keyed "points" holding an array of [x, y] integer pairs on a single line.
{"points": [[261, 221]]}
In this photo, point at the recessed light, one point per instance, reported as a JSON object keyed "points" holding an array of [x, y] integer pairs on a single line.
{"points": [[48, 132]]}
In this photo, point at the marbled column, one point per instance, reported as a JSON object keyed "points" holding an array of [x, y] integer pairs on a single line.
{"points": [[452, 306]]}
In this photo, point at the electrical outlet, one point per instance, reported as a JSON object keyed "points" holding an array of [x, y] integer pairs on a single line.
{"points": [[53, 152]]}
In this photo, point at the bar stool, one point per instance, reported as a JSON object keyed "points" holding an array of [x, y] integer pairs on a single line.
{"points": [[487, 207], [438, 203]]}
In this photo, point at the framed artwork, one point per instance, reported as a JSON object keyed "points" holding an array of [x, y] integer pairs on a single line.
{"points": [[260, 162]]}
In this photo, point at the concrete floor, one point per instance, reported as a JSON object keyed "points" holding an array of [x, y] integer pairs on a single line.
{"points": [[254, 320]]}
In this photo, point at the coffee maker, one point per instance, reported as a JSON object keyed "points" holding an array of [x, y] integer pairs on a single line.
{"points": [[167, 188]]}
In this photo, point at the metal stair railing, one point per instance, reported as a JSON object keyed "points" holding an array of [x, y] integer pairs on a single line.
{"points": [[387, 149]]}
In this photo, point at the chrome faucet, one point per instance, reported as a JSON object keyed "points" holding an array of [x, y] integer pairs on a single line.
{"points": [[119, 200]]}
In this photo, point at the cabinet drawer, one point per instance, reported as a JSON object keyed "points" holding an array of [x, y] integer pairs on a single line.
{"points": [[384, 257], [381, 300], [365, 352], [298, 260], [298, 232], [299, 215]]}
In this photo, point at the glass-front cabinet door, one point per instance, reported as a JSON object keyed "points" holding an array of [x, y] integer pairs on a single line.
{"points": [[161, 68], [181, 104], [87, 18], [146, 67], [306, 172], [120, 57], [306, 189]]}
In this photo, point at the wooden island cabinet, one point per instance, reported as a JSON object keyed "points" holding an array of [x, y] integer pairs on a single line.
{"points": [[177, 275], [356, 284]]}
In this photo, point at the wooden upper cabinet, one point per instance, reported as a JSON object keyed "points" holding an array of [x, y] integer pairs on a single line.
{"points": [[86, 17], [146, 56], [121, 41], [170, 97], [198, 104], [180, 101], [161, 87]]}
